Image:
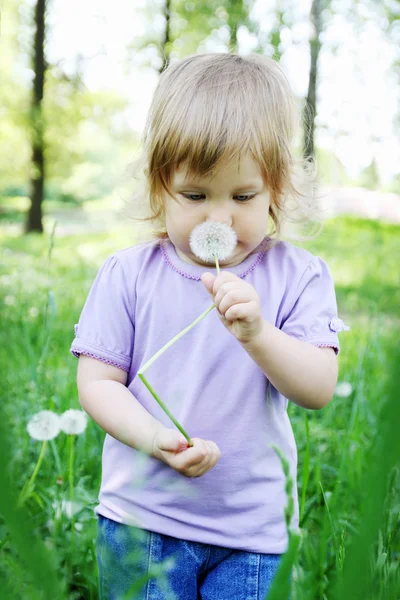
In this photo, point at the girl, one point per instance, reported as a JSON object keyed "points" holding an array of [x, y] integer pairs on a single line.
{"points": [[206, 521]]}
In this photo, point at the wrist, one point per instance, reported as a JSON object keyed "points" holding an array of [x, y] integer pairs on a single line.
{"points": [[154, 435], [260, 339]]}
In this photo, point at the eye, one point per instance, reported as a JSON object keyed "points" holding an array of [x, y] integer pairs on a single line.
{"points": [[194, 197], [244, 198], [199, 197]]}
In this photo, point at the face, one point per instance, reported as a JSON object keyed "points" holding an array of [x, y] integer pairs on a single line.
{"points": [[235, 195]]}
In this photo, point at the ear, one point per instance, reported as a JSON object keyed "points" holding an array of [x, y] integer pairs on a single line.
{"points": [[208, 281]]}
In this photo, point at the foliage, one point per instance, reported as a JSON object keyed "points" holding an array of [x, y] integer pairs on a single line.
{"points": [[192, 24], [87, 137]]}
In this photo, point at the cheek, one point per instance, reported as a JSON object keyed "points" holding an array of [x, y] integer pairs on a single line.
{"points": [[256, 222], [178, 226], [262, 217], [172, 215]]}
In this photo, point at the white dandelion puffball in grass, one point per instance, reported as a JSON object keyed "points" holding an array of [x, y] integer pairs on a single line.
{"points": [[211, 240], [66, 507], [43, 426], [73, 421], [343, 389]]}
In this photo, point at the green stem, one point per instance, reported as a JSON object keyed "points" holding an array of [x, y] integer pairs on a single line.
{"points": [[71, 496], [165, 409], [56, 457], [26, 490], [282, 581], [160, 352], [179, 335], [306, 466]]}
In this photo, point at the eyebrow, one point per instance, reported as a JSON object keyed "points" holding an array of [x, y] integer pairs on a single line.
{"points": [[246, 186]]}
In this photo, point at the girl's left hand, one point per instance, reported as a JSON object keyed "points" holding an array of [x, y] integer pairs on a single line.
{"points": [[238, 304]]}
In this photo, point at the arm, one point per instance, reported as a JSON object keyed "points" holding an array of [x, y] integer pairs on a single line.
{"points": [[104, 396], [303, 373]]}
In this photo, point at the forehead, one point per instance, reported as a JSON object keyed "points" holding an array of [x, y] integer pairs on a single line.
{"points": [[237, 171]]}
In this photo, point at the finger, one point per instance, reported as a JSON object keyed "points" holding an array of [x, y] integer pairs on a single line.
{"points": [[210, 458], [231, 299], [241, 312], [222, 278], [209, 461], [192, 456], [207, 457], [208, 281], [170, 440], [223, 290]]}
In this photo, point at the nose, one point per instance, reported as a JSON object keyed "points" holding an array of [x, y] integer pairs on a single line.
{"points": [[221, 212]]}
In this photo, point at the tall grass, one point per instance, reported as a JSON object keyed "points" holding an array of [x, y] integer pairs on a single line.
{"points": [[348, 452]]}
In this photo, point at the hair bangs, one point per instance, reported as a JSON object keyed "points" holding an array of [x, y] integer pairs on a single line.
{"points": [[212, 108], [209, 131]]}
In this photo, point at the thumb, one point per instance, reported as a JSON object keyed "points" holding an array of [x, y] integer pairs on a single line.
{"points": [[208, 281], [170, 440]]}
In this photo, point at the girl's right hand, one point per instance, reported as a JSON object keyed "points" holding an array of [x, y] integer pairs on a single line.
{"points": [[192, 461]]}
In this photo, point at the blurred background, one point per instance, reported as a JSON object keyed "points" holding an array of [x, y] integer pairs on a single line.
{"points": [[76, 82], [74, 98]]}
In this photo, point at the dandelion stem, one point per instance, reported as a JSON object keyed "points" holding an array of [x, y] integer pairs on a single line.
{"points": [[305, 468], [160, 352], [56, 456], [26, 490], [165, 409], [71, 495], [179, 335]]}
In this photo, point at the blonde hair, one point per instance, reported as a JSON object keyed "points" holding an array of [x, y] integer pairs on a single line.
{"points": [[209, 108]]}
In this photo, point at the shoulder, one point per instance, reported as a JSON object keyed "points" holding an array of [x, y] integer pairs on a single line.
{"points": [[137, 252], [134, 258], [290, 259], [294, 269]]}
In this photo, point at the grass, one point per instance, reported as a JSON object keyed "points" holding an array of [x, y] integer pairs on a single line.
{"points": [[342, 466]]}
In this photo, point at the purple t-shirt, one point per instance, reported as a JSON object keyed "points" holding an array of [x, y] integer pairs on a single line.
{"points": [[141, 298]]}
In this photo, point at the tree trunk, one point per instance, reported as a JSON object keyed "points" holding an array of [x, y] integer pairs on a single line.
{"points": [[34, 217], [165, 43], [233, 24], [236, 16], [310, 108], [275, 35]]}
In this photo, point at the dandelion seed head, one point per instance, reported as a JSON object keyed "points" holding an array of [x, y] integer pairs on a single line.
{"points": [[6, 280], [44, 425], [343, 389], [211, 240], [73, 421], [66, 507]]}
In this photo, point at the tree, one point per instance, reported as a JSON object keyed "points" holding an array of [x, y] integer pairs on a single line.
{"points": [[188, 25], [310, 108], [166, 41], [14, 103], [237, 16], [34, 216]]}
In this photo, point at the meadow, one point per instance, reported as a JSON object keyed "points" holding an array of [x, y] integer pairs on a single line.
{"points": [[348, 475]]}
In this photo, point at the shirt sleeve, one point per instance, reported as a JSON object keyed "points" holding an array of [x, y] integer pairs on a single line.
{"points": [[106, 326], [312, 314]]}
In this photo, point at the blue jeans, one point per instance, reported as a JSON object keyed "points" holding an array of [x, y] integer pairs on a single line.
{"points": [[136, 564]]}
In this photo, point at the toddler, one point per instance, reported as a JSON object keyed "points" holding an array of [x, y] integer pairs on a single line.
{"points": [[206, 521]]}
